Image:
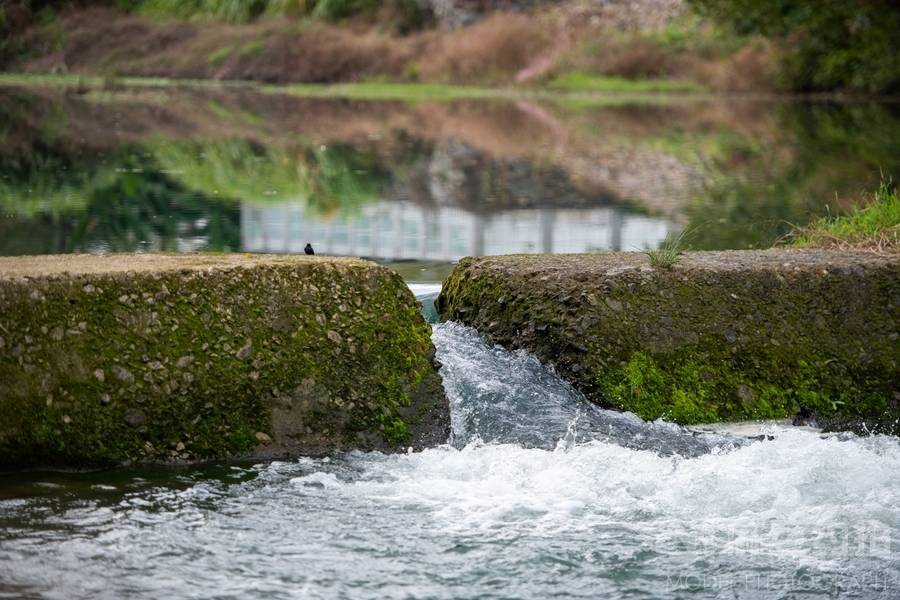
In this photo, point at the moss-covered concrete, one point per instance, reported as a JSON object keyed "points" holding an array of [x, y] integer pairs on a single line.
{"points": [[124, 358], [721, 336]]}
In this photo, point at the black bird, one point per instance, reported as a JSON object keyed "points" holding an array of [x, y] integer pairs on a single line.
{"points": [[309, 250]]}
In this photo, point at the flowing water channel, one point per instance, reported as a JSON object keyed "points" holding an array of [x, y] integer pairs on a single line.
{"points": [[538, 494]]}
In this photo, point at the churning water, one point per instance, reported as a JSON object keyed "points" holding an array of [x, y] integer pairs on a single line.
{"points": [[539, 495]]}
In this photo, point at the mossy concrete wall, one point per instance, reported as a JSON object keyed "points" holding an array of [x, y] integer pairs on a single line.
{"points": [[721, 336], [123, 358]]}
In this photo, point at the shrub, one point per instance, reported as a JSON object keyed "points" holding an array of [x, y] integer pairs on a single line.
{"points": [[235, 11], [831, 45], [334, 10], [402, 16]]}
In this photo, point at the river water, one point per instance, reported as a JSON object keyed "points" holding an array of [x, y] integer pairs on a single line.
{"points": [[538, 493], [419, 185]]}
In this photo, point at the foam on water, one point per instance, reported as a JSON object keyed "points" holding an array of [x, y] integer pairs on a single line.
{"points": [[520, 505]]}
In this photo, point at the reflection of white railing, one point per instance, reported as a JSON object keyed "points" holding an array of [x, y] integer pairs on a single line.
{"points": [[403, 230]]}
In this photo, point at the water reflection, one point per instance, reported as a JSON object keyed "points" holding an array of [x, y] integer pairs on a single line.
{"points": [[183, 170], [390, 230]]}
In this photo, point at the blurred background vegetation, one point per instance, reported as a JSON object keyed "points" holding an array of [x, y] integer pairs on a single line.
{"points": [[830, 45], [757, 182], [734, 45]]}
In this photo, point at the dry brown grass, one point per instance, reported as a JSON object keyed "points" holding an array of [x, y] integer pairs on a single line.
{"points": [[493, 50], [634, 58], [110, 43], [637, 56], [750, 69], [101, 41], [884, 242]]}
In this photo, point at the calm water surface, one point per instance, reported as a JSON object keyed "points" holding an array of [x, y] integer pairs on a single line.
{"points": [[421, 183]]}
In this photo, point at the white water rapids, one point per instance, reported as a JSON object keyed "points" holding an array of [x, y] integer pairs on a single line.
{"points": [[539, 495]]}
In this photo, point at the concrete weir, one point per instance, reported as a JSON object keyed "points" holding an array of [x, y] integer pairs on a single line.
{"points": [[720, 336], [106, 360]]}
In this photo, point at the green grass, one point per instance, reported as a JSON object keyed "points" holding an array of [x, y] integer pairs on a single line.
{"points": [[578, 81], [378, 90], [394, 91], [251, 48], [641, 91], [219, 55], [233, 11], [99, 82], [219, 110], [669, 251], [364, 90], [873, 226]]}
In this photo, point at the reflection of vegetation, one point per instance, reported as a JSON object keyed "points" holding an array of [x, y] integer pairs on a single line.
{"points": [[327, 178], [875, 226], [735, 211], [46, 182], [149, 211], [141, 210], [341, 177], [844, 148], [831, 155], [172, 195], [758, 184]]}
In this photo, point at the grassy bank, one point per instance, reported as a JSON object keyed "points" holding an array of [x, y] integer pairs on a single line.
{"points": [[873, 226], [595, 91], [548, 49], [710, 44], [96, 81]]}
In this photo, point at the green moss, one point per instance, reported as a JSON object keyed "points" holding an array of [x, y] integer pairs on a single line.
{"points": [[693, 386], [105, 369], [702, 341], [396, 430]]}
